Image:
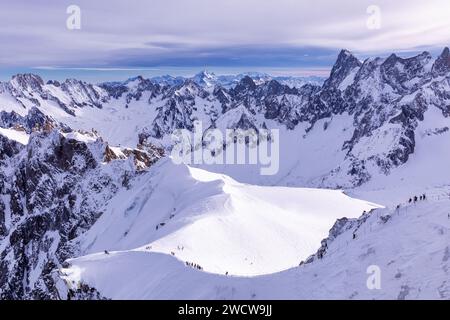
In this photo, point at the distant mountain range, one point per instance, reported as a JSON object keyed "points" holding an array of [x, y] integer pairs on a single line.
{"points": [[209, 79]]}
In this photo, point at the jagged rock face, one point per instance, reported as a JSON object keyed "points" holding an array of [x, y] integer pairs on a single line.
{"points": [[385, 97], [54, 189], [181, 103], [83, 94], [114, 89], [339, 227], [8, 148], [189, 102], [133, 89], [29, 90], [174, 115], [205, 79], [399, 73], [144, 156], [393, 91], [344, 65], [442, 65], [27, 83]]}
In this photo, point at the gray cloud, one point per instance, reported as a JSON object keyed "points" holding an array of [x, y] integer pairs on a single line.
{"points": [[159, 32]]}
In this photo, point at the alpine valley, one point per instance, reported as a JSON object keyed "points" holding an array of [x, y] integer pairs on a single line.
{"points": [[92, 206]]}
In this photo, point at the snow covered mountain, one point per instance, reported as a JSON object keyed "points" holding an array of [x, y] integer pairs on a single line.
{"points": [[53, 187], [218, 223], [83, 185], [209, 79], [378, 102], [409, 245]]}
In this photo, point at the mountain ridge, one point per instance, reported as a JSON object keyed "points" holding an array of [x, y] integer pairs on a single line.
{"points": [[377, 128]]}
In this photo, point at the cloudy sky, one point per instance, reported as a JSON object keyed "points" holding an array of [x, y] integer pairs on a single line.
{"points": [[157, 36]]}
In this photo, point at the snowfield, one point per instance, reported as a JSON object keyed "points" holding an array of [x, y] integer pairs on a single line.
{"points": [[217, 223], [15, 135], [410, 246]]}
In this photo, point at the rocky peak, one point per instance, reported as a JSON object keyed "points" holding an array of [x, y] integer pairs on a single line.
{"points": [[345, 64], [275, 88], [137, 78], [247, 82], [412, 64], [134, 87], [168, 80], [55, 190], [441, 66], [141, 85], [27, 82], [367, 69], [73, 84], [115, 89]]}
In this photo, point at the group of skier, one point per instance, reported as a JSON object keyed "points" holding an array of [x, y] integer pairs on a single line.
{"points": [[194, 265]]}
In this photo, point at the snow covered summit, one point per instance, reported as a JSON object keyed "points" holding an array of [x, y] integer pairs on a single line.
{"points": [[87, 193], [217, 223]]}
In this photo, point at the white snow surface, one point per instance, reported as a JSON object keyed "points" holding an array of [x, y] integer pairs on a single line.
{"points": [[224, 226]]}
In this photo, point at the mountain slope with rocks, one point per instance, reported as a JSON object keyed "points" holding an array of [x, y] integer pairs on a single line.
{"points": [[70, 151], [408, 246], [52, 190]]}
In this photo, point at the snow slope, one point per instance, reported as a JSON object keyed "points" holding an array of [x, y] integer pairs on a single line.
{"points": [[222, 225], [378, 128], [303, 158], [16, 135], [411, 249]]}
